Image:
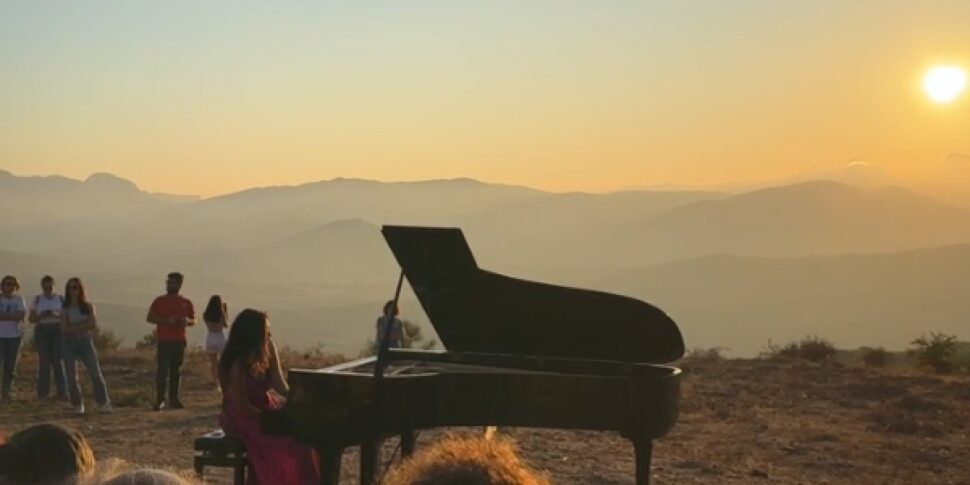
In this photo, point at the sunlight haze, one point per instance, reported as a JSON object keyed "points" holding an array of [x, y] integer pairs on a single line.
{"points": [[559, 95]]}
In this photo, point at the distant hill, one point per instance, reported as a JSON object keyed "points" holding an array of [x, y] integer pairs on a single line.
{"points": [[52, 213], [422, 202], [812, 218], [854, 300], [47, 199]]}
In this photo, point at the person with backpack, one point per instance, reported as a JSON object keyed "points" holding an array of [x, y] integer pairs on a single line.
{"points": [[45, 314]]}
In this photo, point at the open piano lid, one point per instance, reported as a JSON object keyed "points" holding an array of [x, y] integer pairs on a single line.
{"points": [[474, 310]]}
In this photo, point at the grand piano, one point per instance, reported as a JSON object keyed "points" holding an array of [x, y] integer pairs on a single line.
{"points": [[519, 353]]}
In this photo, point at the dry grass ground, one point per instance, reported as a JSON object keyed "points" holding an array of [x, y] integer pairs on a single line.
{"points": [[742, 421]]}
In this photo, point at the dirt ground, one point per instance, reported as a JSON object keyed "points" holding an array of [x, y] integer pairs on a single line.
{"points": [[742, 421]]}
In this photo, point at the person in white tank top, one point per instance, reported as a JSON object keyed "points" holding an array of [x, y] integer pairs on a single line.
{"points": [[216, 317]]}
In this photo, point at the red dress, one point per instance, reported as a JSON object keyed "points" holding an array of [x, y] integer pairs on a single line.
{"points": [[274, 460]]}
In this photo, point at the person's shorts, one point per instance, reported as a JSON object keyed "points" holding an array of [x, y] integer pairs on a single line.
{"points": [[215, 342]]}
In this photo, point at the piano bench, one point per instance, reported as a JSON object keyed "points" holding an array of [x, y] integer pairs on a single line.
{"points": [[215, 449]]}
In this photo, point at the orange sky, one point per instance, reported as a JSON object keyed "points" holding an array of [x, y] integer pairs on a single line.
{"points": [[558, 95]]}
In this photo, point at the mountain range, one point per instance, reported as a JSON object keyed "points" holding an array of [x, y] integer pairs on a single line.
{"points": [[734, 268]]}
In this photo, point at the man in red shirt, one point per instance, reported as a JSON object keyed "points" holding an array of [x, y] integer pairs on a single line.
{"points": [[170, 313]]}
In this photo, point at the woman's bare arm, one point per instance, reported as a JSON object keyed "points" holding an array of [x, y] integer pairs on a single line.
{"points": [[276, 371], [92, 323]]}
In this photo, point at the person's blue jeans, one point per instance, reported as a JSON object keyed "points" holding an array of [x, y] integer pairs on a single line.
{"points": [[50, 353], [82, 348], [9, 353]]}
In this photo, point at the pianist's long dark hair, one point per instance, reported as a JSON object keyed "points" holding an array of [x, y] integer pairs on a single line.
{"points": [[248, 343]]}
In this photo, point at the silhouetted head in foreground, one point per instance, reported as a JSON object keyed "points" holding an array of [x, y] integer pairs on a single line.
{"points": [[467, 461], [147, 477], [45, 454]]}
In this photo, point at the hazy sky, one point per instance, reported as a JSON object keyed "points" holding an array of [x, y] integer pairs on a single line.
{"points": [[210, 97]]}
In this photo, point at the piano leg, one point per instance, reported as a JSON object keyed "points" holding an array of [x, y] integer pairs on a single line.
{"points": [[330, 465], [644, 451], [407, 443], [370, 453]]}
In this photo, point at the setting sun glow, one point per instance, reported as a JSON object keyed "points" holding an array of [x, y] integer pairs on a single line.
{"points": [[944, 83]]}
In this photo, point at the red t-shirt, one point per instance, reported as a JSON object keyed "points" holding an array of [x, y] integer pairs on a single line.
{"points": [[171, 306]]}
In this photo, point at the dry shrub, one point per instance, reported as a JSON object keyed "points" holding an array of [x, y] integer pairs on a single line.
{"points": [[811, 348], [147, 341], [935, 351], [877, 357], [310, 358], [713, 354], [467, 461], [105, 340]]}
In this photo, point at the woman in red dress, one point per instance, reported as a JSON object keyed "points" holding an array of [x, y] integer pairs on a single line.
{"points": [[249, 370]]}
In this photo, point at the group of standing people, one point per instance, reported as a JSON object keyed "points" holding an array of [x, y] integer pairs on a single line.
{"points": [[64, 329]]}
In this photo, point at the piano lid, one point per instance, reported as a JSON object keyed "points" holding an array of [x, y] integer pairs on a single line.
{"points": [[474, 310]]}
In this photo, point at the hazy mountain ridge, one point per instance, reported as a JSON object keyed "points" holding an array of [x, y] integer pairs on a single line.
{"points": [[819, 217], [313, 253]]}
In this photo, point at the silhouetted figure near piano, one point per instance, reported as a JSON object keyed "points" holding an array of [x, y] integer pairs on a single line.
{"points": [[389, 323], [466, 461], [249, 370]]}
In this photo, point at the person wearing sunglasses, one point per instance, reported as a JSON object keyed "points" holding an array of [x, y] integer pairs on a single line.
{"points": [[78, 324], [171, 313], [12, 313]]}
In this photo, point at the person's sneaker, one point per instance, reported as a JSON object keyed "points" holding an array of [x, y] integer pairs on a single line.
{"points": [[159, 406], [79, 409], [105, 408], [176, 404]]}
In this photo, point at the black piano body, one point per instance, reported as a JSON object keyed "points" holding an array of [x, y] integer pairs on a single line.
{"points": [[520, 353]]}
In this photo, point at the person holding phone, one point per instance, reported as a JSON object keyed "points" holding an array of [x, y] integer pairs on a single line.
{"points": [[45, 314], [171, 313]]}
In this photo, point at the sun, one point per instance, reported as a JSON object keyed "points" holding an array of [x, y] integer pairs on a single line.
{"points": [[944, 83]]}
